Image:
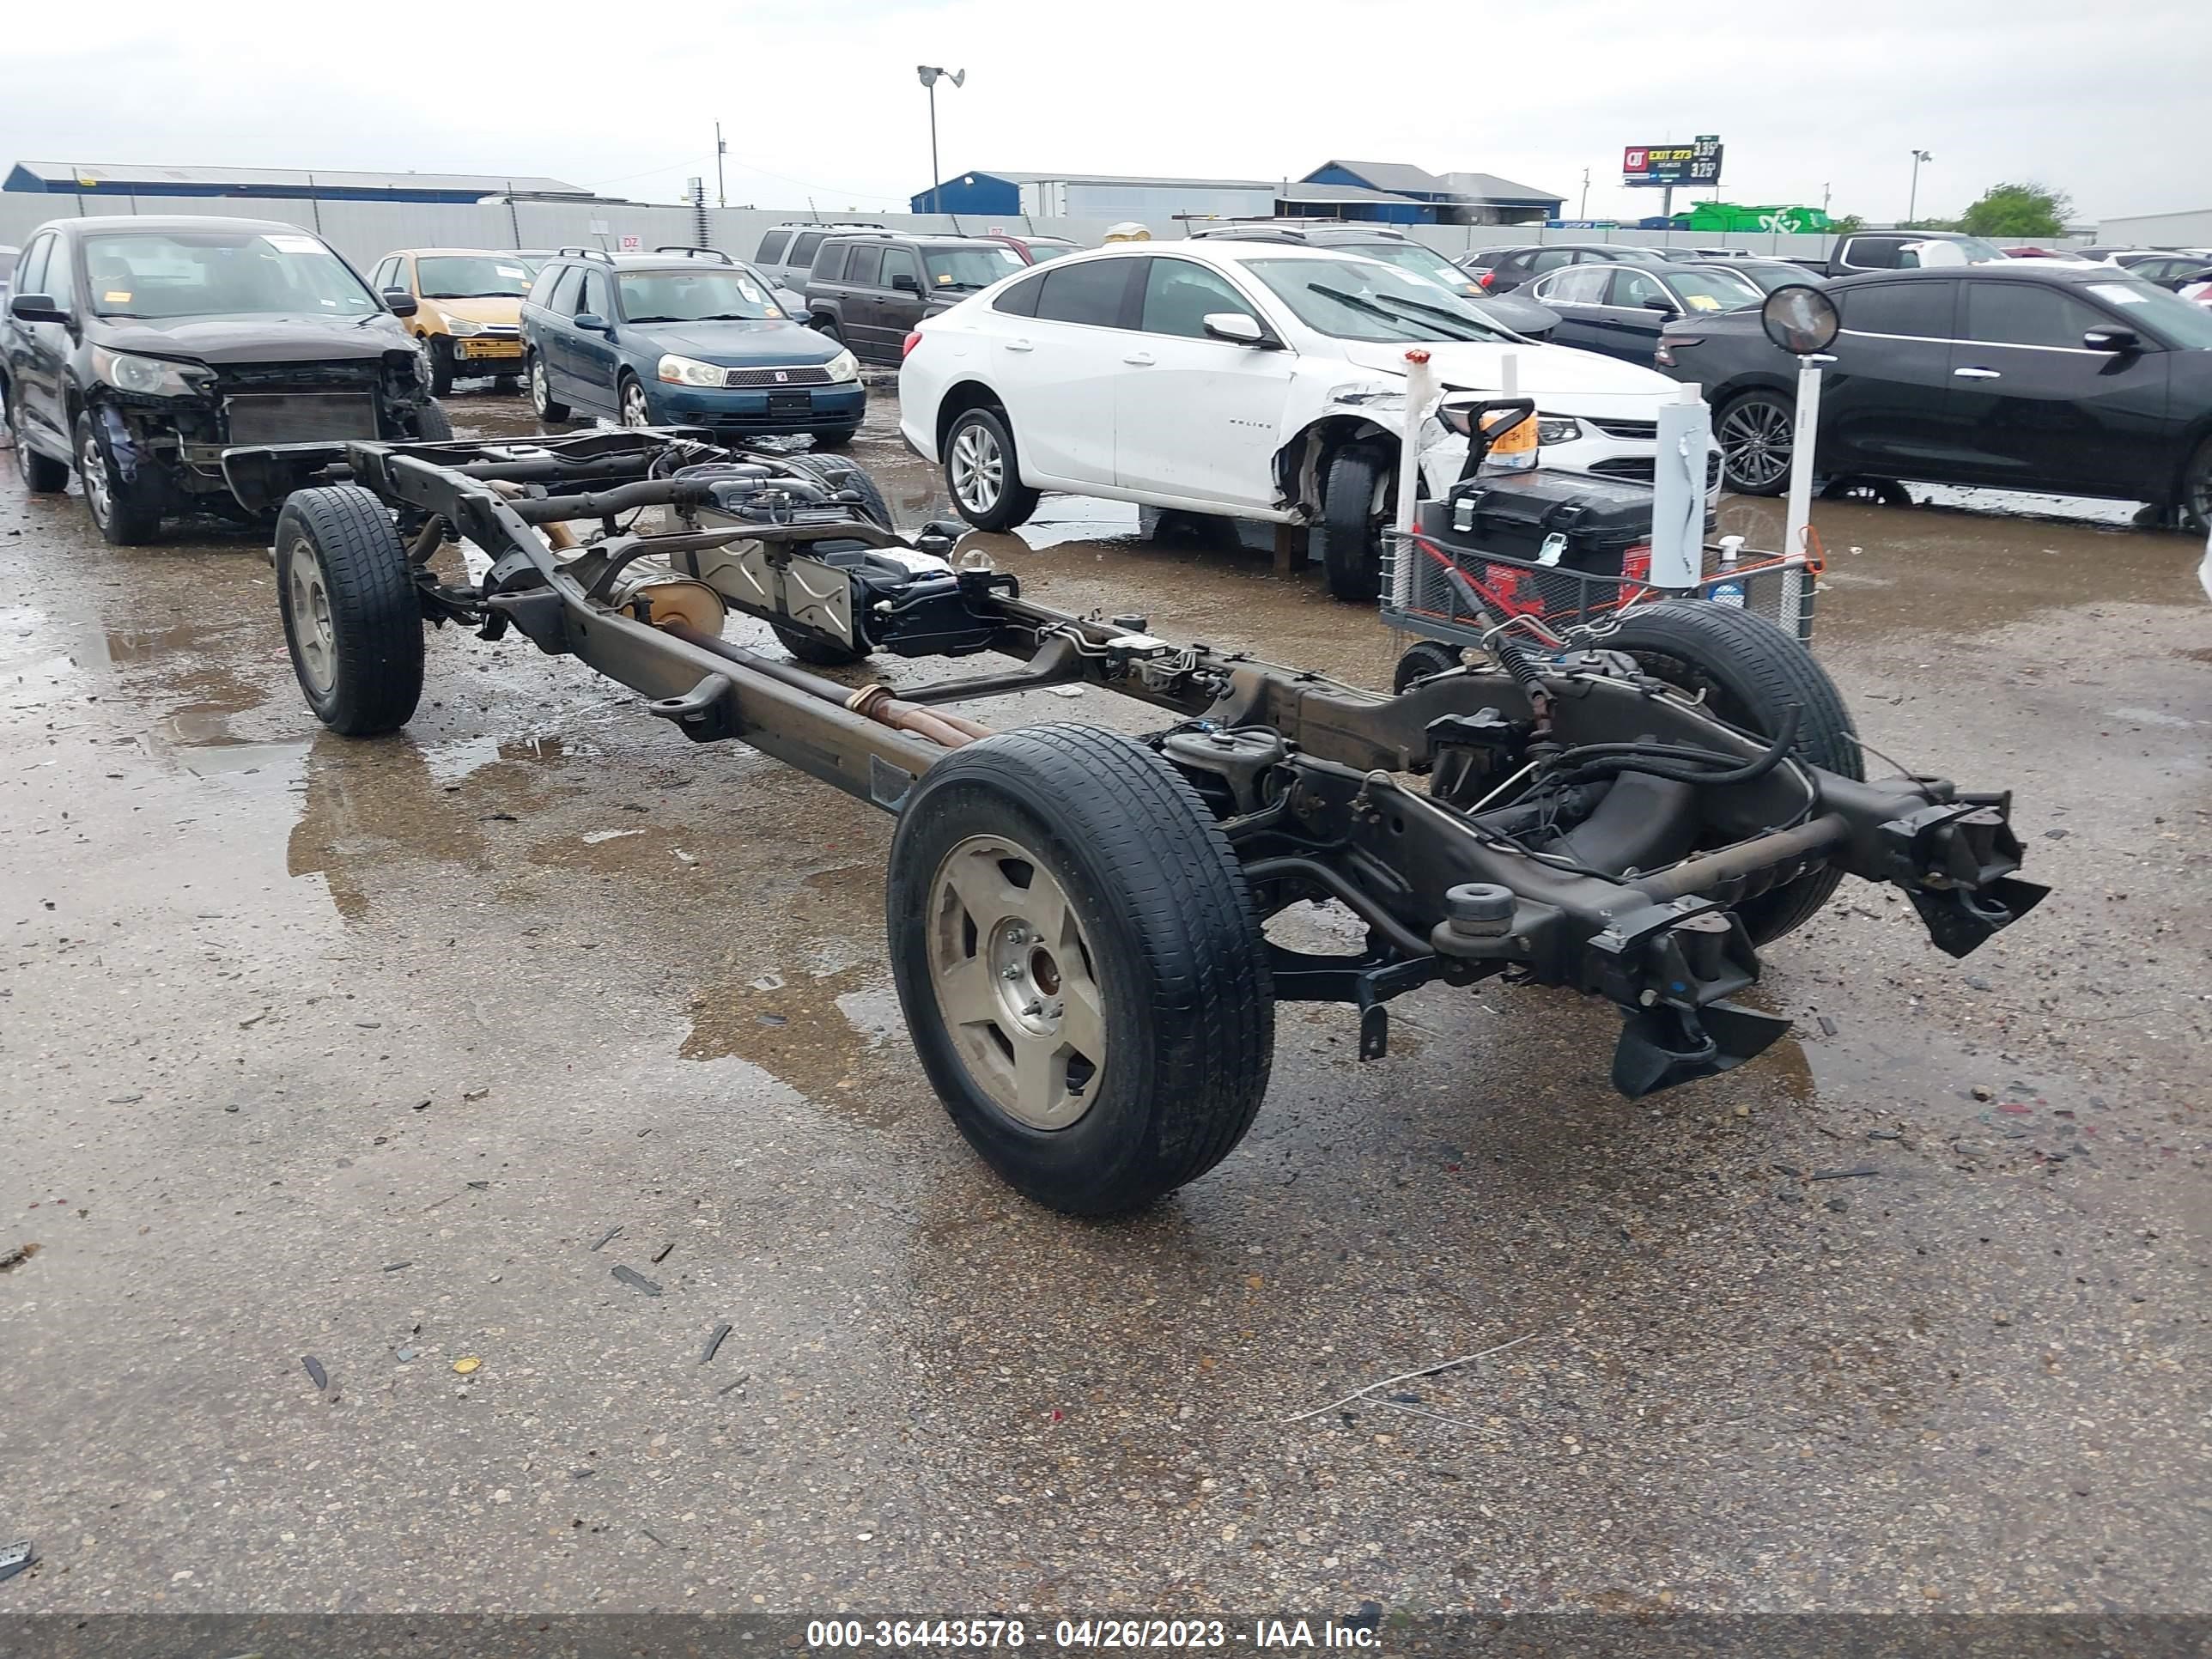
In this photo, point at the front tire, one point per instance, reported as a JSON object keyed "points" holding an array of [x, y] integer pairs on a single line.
{"points": [[636, 411], [1748, 671], [1756, 431], [1352, 505], [42, 474], [984, 473], [126, 512], [433, 425], [1080, 965], [351, 618], [835, 437], [542, 401], [438, 353]]}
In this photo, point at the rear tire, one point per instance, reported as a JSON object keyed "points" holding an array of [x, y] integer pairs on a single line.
{"points": [[1750, 671], [42, 474], [439, 352], [835, 437], [1351, 523], [351, 618], [126, 512], [2194, 508], [1080, 965], [983, 472], [1756, 431], [433, 425], [840, 473], [541, 393]]}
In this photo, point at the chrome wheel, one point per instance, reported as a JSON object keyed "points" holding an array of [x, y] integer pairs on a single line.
{"points": [[978, 469], [91, 473], [634, 410], [540, 394], [1012, 972], [1755, 436], [312, 633]]}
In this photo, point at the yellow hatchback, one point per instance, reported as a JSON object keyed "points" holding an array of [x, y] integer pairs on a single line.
{"points": [[468, 308]]}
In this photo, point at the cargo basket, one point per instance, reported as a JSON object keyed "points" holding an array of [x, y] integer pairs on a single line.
{"points": [[1545, 595]]}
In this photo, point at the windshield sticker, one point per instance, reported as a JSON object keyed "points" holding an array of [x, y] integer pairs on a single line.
{"points": [[945, 279], [2121, 294], [115, 296], [751, 292], [1702, 302], [515, 271], [294, 243]]}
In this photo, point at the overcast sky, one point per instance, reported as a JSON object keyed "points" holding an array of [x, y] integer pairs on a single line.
{"points": [[819, 98]]}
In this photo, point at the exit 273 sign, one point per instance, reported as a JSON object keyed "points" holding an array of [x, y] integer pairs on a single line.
{"points": [[1693, 164]]}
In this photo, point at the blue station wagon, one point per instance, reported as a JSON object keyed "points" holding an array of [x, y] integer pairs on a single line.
{"points": [[682, 337]]}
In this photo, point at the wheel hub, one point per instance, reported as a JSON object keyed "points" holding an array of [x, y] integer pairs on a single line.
{"points": [[312, 632], [1011, 967]]}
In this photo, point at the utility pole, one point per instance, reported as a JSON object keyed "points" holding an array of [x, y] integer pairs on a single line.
{"points": [[1584, 212], [1913, 202], [1824, 198], [722, 196], [929, 79]]}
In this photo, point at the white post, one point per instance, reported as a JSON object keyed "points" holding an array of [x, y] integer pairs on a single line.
{"points": [[1678, 496], [1420, 392], [1795, 541]]}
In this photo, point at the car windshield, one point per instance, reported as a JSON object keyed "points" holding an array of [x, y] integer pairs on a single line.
{"points": [[695, 295], [1713, 290], [1954, 250], [963, 270], [1769, 277], [472, 276], [1361, 299], [1422, 262], [1040, 252], [2177, 321], [220, 273]]}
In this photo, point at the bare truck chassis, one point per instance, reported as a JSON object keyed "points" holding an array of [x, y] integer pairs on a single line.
{"points": [[1075, 915]]}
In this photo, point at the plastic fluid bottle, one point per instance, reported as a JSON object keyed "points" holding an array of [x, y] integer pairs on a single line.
{"points": [[1730, 591]]}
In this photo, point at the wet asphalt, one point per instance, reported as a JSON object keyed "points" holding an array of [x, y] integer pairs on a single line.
{"points": [[390, 1054]]}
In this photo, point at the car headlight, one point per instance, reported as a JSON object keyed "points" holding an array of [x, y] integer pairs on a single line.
{"points": [[460, 326], [843, 367], [689, 371], [152, 377], [1558, 431]]}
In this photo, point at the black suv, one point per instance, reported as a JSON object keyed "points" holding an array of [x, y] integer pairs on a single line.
{"points": [[2062, 380], [135, 351], [868, 291]]}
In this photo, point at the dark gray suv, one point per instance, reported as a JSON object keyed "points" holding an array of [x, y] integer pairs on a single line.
{"points": [[870, 291]]}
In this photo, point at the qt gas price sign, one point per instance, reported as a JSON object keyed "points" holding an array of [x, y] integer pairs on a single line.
{"points": [[1696, 163]]}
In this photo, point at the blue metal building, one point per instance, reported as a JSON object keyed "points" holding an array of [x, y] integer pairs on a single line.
{"points": [[85, 179]]}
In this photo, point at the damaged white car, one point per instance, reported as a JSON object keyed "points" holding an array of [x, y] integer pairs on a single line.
{"points": [[1246, 379]]}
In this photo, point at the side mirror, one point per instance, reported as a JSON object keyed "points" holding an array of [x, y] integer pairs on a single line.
{"points": [[2115, 340], [400, 302], [592, 323], [1235, 327], [906, 282], [36, 308], [1668, 306]]}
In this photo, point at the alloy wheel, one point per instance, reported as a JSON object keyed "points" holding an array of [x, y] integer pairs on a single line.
{"points": [[1012, 972], [1756, 436], [91, 473], [978, 469], [635, 411], [540, 392]]}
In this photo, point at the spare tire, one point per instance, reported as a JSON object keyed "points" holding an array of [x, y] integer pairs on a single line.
{"points": [[1748, 671]]}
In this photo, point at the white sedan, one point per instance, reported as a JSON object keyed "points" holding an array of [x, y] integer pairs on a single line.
{"points": [[1247, 379]]}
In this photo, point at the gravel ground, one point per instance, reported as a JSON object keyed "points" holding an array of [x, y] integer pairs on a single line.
{"points": [[393, 1053]]}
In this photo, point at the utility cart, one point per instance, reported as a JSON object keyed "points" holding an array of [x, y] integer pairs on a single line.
{"points": [[1074, 915]]}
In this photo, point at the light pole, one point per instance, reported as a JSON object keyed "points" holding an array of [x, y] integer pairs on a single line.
{"points": [[929, 79], [1584, 213], [1913, 202]]}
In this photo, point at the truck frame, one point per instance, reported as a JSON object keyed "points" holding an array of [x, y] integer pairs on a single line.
{"points": [[1076, 916]]}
